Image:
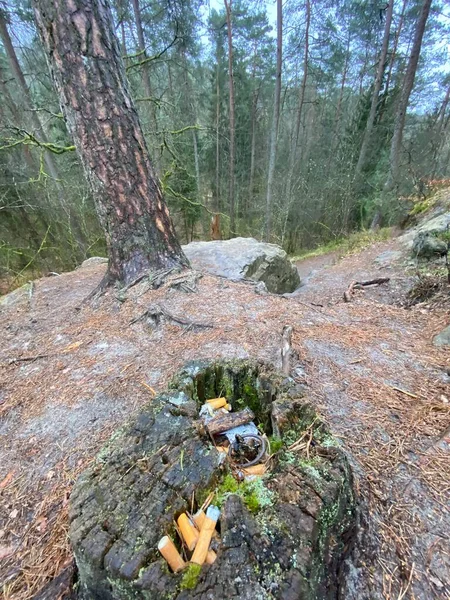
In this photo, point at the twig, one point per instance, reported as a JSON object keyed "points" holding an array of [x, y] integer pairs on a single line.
{"points": [[403, 593], [397, 389]]}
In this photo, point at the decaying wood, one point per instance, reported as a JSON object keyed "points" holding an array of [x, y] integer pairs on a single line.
{"points": [[224, 421], [157, 314], [286, 349], [359, 285]]}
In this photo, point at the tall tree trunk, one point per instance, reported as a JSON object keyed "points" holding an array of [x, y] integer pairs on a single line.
{"points": [[88, 72], [217, 186], [376, 94], [392, 58], [408, 83], [228, 4], [337, 118], [275, 124], [301, 101], [28, 102], [141, 48]]}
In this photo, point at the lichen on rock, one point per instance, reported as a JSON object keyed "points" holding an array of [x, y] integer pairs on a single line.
{"points": [[283, 536]]}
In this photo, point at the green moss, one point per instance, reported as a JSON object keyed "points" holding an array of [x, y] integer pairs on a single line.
{"points": [[190, 577], [254, 493], [275, 444]]}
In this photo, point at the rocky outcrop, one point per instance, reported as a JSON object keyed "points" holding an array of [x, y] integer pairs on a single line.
{"points": [[245, 258], [427, 245], [442, 338], [286, 540]]}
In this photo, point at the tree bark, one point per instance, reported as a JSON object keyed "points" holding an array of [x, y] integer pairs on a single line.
{"points": [[408, 83], [217, 186], [275, 123], [376, 94], [89, 75], [228, 4]]}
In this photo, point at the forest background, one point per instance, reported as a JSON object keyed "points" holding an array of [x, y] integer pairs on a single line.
{"points": [[296, 122]]}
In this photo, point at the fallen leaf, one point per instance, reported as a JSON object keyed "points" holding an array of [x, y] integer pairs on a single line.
{"points": [[13, 514], [6, 551], [7, 479]]}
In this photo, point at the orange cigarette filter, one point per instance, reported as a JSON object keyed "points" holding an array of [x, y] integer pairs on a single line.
{"points": [[188, 532], [171, 554], [255, 470], [217, 402], [198, 518], [211, 557], [206, 533]]}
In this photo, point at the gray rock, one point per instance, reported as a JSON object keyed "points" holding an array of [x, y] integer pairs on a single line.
{"points": [[442, 338], [427, 245], [388, 258], [437, 224], [245, 258], [93, 261], [18, 297]]}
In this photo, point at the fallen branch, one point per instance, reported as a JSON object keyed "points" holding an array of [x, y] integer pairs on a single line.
{"points": [[359, 285], [224, 421], [157, 314]]}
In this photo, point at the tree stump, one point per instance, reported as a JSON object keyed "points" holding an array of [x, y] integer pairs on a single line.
{"points": [[287, 543]]}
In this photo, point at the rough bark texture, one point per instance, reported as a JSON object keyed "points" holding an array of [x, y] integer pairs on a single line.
{"points": [[88, 73], [408, 83], [289, 545]]}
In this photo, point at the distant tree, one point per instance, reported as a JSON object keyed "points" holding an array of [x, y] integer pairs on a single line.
{"points": [[83, 53]]}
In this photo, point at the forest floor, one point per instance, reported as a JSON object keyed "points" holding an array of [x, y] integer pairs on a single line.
{"points": [[70, 374]]}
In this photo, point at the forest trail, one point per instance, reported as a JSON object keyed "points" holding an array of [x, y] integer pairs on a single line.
{"points": [[71, 375]]}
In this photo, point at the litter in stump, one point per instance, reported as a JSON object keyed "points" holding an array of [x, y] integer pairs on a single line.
{"points": [[247, 496]]}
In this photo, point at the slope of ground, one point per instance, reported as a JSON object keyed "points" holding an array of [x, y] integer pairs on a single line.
{"points": [[71, 373]]}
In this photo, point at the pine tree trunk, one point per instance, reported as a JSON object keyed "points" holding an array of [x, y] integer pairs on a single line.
{"points": [[408, 83], [217, 186], [232, 119], [88, 72], [275, 124], [376, 94]]}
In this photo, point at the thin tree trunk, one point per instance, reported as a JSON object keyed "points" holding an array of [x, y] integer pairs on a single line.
{"points": [[293, 154], [228, 7], [253, 146], [376, 94], [217, 187], [408, 83], [275, 123], [20, 79], [88, 72], [142, 48], [337, 118]]}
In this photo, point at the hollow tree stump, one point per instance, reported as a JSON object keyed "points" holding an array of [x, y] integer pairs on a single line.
{"points": [[287, 543]]}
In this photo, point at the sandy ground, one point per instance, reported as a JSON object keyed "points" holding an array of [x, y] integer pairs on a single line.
{"points": [[70, 373]]}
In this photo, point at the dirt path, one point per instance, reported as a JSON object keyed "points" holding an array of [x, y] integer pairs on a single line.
{"points": [[70, 376]]}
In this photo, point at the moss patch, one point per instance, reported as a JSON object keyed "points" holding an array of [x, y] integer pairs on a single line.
{"points": [[254, 493], [190, 577]]}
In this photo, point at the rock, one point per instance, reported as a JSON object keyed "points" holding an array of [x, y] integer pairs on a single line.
{"points": [[245, 258], [437, 224], [286, 539], [427, 245], [442, 338], [93, 261], [18, 297], [388, 258]]}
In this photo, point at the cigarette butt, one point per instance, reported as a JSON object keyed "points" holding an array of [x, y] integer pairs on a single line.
{"points": [[255, 470], [228, 407], [210, 557], [171, 554], [206, 533], [217, 402], [188, 532], [198, 518]]}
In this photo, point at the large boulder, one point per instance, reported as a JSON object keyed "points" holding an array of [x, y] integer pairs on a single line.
{"points": [[245, 258], [286, 539], [427, 245]]}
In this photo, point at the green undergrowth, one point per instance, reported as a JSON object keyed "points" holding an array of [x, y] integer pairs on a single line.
{"points": [[353, 243]]}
